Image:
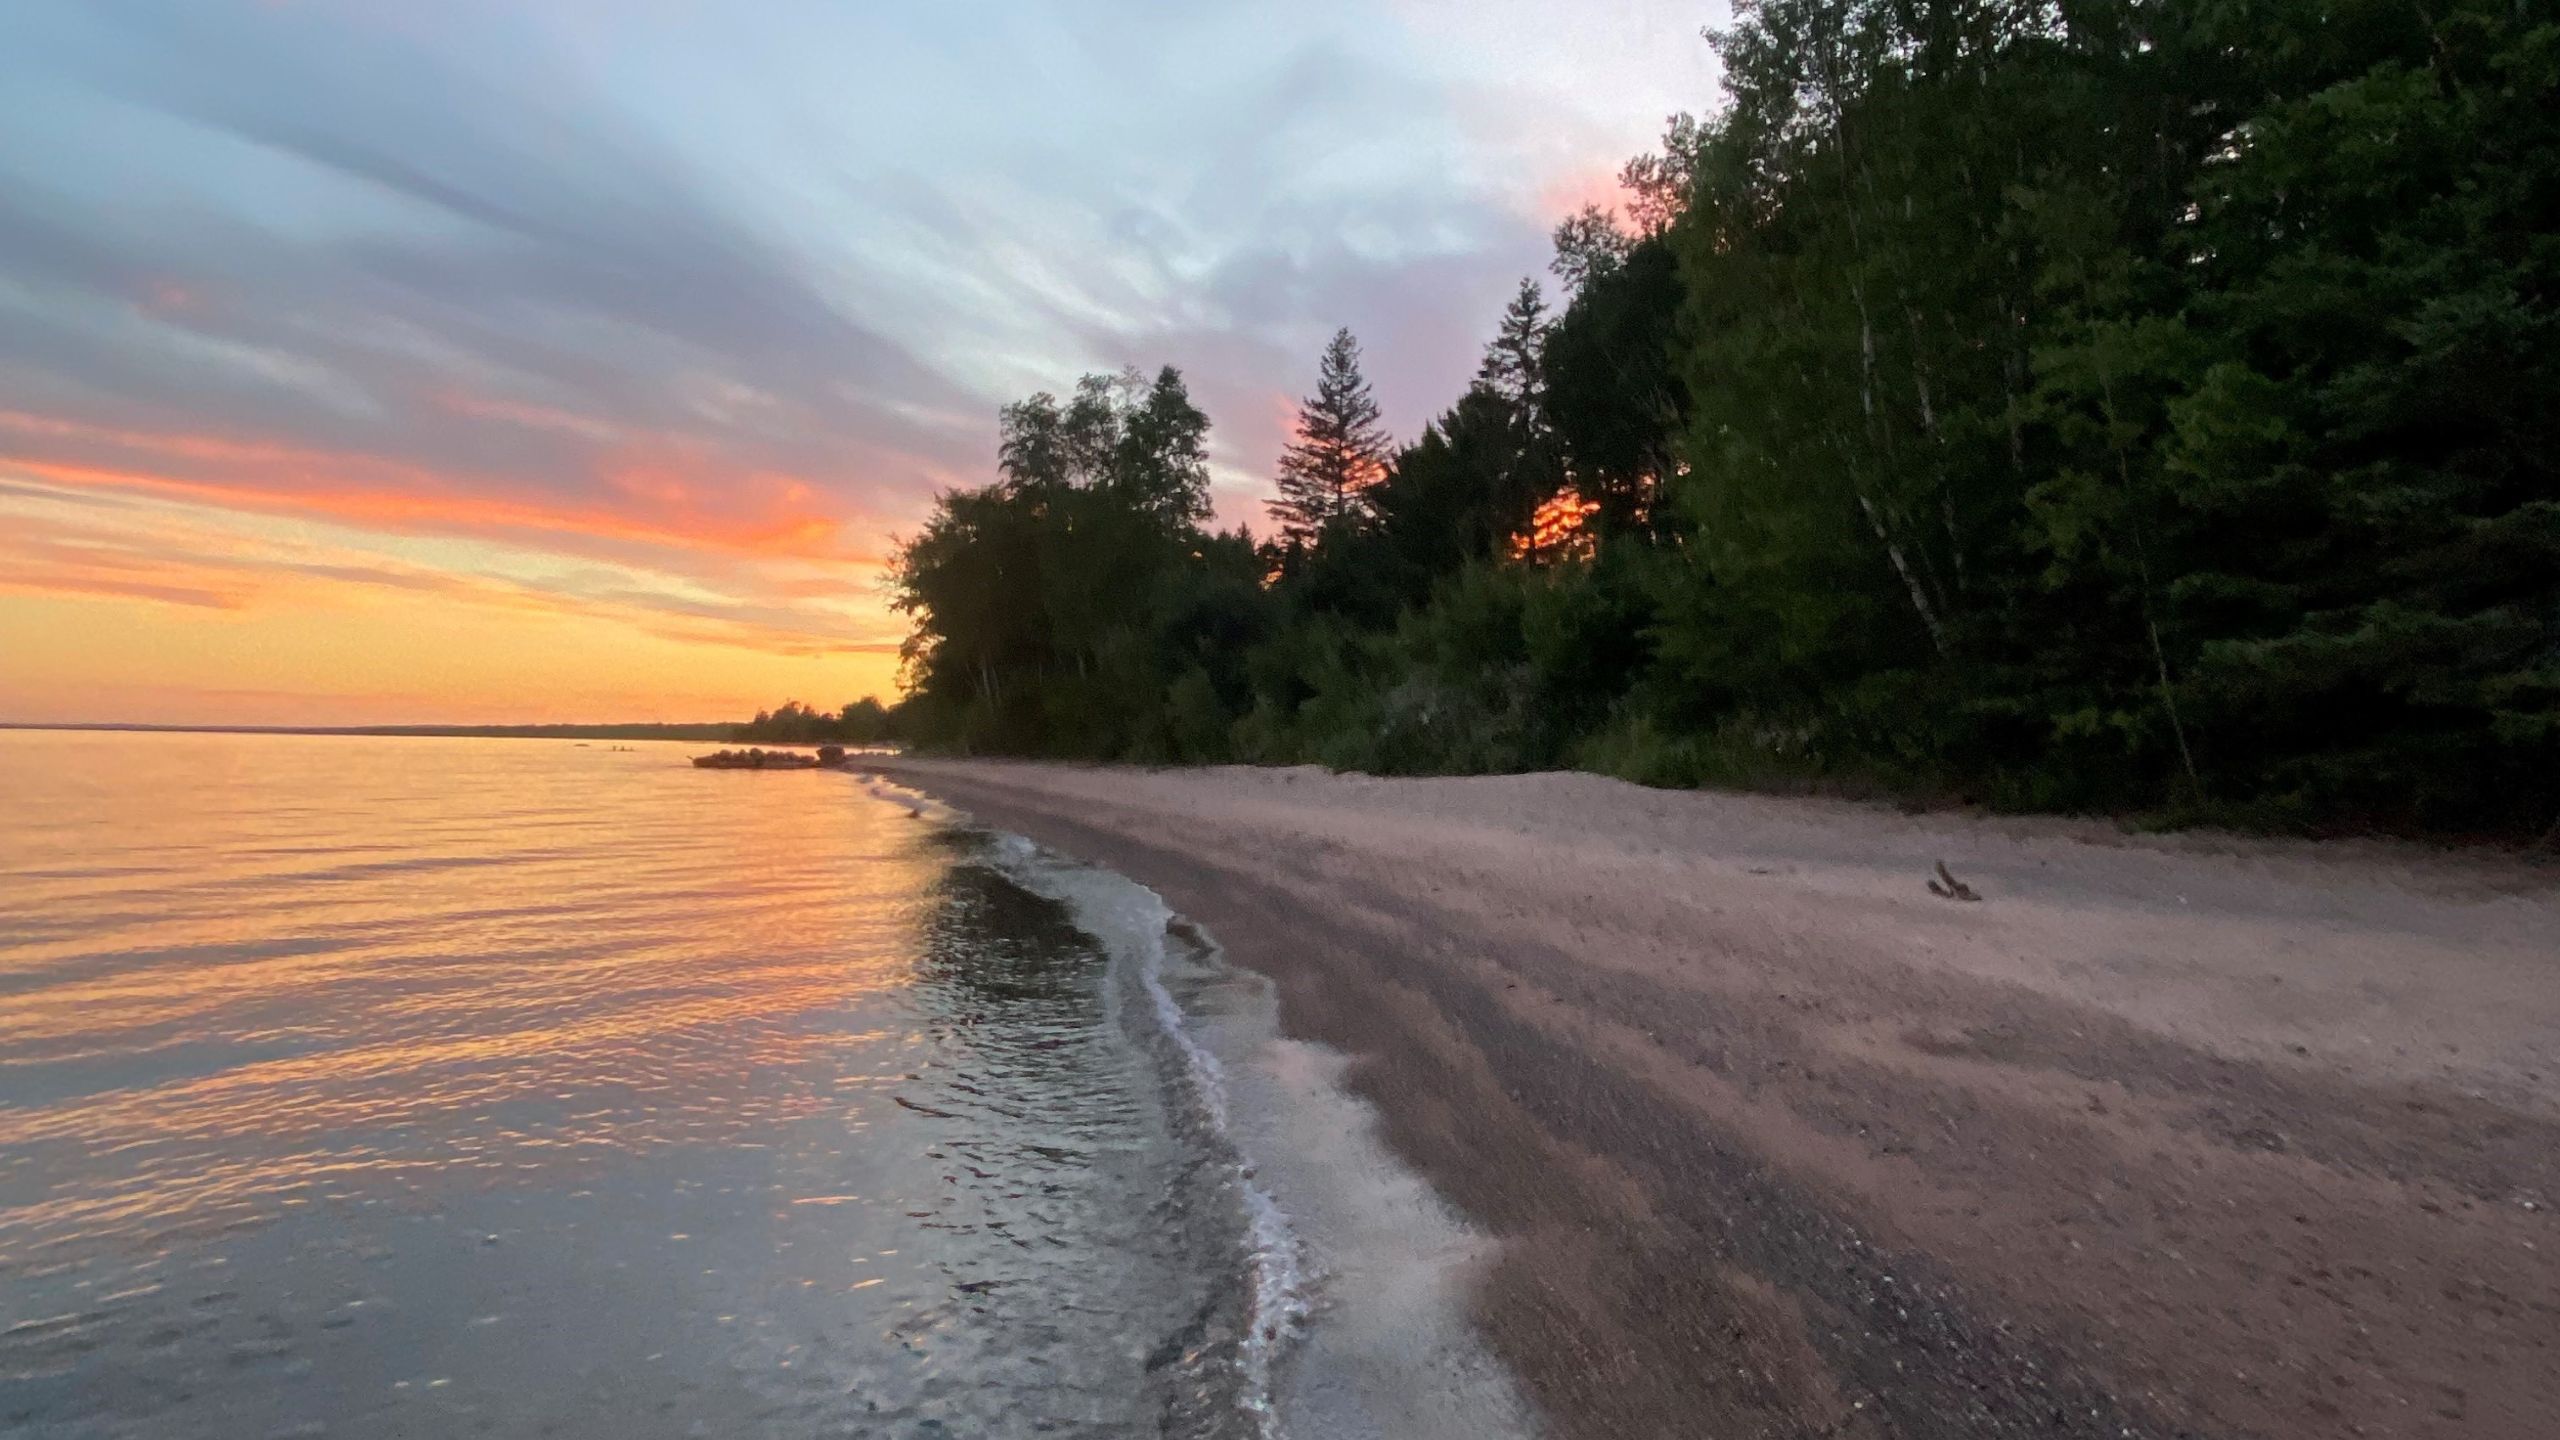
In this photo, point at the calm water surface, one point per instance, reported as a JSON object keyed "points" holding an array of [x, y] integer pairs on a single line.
{"points": [[446, 1087]]}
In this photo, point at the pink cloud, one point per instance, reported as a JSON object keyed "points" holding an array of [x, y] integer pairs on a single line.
{"points": [[659, 491]]}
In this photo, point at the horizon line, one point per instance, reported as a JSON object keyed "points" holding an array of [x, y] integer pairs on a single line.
{"points": [[424, 729]]}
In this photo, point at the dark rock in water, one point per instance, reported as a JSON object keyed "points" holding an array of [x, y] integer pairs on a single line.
{"points": [[755, 759]]}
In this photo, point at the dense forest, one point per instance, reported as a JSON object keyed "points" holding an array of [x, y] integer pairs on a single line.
{"points": [[2136, 405]]}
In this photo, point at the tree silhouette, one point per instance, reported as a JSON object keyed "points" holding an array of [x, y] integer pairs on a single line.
{"points": [[1340, 450]]}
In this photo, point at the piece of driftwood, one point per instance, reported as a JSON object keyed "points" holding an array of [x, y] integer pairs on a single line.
{"points": [[1953, 888]]}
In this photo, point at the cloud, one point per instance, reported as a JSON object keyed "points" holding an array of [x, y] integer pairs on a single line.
{"points": [[662, 492], [711, 300], [451, 234], [67, 542]]}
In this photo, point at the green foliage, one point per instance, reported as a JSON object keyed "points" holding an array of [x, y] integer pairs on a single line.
{"points": [[2135, 404], [864, 722], [1616, 398], [1076, 606]]}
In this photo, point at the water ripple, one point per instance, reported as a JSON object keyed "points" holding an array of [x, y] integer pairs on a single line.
{"points": [[448, 1087]]}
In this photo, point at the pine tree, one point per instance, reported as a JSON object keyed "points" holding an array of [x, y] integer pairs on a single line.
{"points": [[1340, 450], [1514, 364], [1514, 373]]}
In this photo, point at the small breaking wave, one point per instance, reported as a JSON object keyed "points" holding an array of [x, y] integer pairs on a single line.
{"points": [[1134, 926]]}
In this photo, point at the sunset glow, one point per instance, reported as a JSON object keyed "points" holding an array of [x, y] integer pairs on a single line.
{"points": [[493, 363], [1557, 529]]}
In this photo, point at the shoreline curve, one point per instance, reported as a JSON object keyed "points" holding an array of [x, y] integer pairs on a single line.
{"points": [[2191, 1137]]}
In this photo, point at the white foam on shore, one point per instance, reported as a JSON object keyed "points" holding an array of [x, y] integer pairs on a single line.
{"points": [[1130, 921], [1390, 1353], [1359, 1269]]}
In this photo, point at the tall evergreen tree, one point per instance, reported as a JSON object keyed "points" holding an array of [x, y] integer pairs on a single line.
{"points": [[1514, 372], [1514, 364], [1340, 450]]}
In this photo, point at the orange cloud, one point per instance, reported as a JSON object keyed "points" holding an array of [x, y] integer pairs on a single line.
{"points": [[148, 558], [41, 559], [105, 583], [684, 498]]}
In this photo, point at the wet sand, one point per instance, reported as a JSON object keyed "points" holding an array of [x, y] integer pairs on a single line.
{"points": [[2179, 1136]]}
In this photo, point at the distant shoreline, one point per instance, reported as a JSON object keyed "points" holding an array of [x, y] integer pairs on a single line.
{"points": [[689, 733]]}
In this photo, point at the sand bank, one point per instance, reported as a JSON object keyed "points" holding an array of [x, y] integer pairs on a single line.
{"points": [[2157, 1137]]}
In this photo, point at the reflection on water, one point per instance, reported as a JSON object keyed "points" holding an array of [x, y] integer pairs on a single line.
{"points": [[354, 1086]]}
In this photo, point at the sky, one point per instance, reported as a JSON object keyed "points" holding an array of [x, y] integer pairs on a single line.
{"points": [[365, 361]]}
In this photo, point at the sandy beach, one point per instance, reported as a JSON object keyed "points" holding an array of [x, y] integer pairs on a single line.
{"points": [[2157, 1137]]}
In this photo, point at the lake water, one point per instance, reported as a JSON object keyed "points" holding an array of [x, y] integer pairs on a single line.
{"points": [[364, 1087]]}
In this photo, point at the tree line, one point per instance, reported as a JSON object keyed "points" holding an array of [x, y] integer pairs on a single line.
{"points": [[864, 722], [2137, 405]]}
